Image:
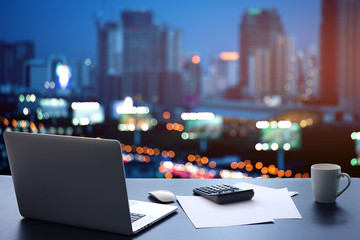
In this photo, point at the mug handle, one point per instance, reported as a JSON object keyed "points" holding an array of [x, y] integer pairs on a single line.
{"points": [[348, 184]]}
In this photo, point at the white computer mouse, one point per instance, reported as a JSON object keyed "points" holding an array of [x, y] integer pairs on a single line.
{"points": [[164, 196]]}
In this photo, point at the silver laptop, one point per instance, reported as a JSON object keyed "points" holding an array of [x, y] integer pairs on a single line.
{"points": [[76, 181]]}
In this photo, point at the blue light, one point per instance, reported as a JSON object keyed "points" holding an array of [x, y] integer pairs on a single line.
{"points": [[63, 74]]}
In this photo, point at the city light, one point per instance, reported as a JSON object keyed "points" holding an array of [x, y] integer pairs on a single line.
{"points": [[195, 59], [287, 146], [197, 116], [88, 62], [355, 136], [262, 124], [274, 146], [258, 147], [85, 106], [25, 111], [63, 74], [284, 124], [132, 110], [229, 56]]}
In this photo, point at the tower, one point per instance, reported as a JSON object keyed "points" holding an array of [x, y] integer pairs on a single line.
{"points": [[339, 55], [257, 31]]}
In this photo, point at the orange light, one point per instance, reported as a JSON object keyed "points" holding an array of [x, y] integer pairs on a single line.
{"points": [[204, 160], [298, 175], [176, 126], [234, 165], [169, 126], [195, 59], [139, 150], [168, 175], [166, 115], [272, 169], [146, 159], [212, 164], [6, 122], [150, 152], [241, 165], [288, 173], [191, 158], [306, 175], [247, 162], [281, 173], [127, 148], [14, 123], [171, 154], [229, 56], [32, 126], [164, 154], [249, 167], [181, 128], [156, 152], [264, 170], [259, 165]]}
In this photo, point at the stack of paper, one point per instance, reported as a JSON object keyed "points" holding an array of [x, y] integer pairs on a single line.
{"points": [[266, 205]]}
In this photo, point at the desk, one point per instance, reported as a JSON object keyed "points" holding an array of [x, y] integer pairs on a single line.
{"points": [[320, 221]]}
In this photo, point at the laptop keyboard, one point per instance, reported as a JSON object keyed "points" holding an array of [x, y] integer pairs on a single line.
{"points": [[136, 216]]}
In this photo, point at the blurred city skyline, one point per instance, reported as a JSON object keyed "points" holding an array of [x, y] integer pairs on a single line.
{"points": [[226, 86], [208, 27]]}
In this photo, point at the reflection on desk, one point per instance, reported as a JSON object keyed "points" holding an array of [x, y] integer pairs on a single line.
{"points": [[320, 221]]}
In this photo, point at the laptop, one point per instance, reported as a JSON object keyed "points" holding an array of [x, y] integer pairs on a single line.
{"points": [[76, 181]]}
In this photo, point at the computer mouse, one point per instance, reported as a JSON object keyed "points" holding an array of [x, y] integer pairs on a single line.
{"points": [[164, 196]]}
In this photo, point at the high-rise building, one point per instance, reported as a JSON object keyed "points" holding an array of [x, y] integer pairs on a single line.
{"points": [[349, 56], [257, 30], [170, 81], [36, 74], [309, 82], [284, 67], [260, 73], [191, 79], [339, 55], [110, 63], [144, 55], [329, 59], [140, 59], [223, 74], [12, 59]]}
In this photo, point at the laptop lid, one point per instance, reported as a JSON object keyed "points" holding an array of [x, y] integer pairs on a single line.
{"points": [[70, 180]]}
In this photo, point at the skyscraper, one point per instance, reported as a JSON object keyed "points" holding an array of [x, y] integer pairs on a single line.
{"points": [[260, 73], [170, 81], [339, 55], [284, 66], [144, 55], [223, 74], [139, 59], [257, 30], [329, 60], [349, 56], [110, 63], [12, 59], [191, 77]]}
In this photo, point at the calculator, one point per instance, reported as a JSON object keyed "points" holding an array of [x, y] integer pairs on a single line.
{"points": [[224, 193]]}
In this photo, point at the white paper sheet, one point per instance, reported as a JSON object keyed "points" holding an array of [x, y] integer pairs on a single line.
{"points": [[266, 205], [204, 213], [276, 202]]}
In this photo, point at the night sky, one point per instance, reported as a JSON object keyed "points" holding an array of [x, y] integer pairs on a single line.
{"points": [[209, 26]]}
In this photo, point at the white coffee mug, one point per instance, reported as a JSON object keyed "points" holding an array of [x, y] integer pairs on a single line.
{"points": [[325, 181]]}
